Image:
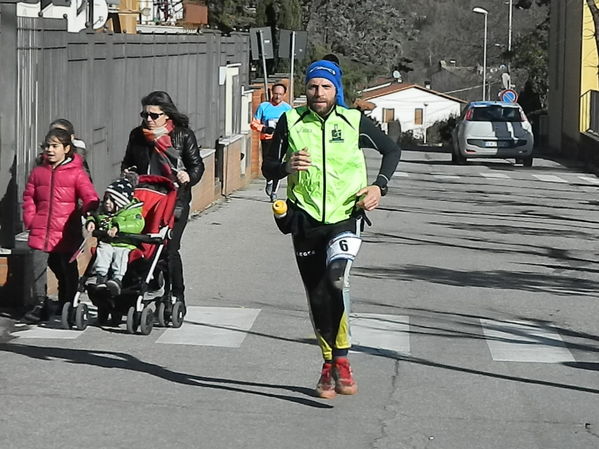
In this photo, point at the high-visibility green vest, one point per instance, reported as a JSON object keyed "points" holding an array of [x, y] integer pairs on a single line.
{"points": [[327, 190]]}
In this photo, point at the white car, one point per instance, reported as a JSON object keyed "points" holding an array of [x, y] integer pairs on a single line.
{"points": [[493, 129]]}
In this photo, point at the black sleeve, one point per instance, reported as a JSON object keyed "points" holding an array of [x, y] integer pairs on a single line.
{"points": [[373, 137], [128, 159], [273, 166], [192, 160]]}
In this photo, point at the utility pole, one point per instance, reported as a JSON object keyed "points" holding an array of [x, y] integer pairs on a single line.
{"points": [[292, 68]]}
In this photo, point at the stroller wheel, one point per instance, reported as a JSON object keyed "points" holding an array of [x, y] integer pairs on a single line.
{"points": [[65, 318], [177, 314], [102, 316], [147, 320], [163, 315], [81, 316], [116, 318], [132, 320]]}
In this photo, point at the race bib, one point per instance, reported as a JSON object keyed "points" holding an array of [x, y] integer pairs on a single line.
{"points": [[343, 246]]}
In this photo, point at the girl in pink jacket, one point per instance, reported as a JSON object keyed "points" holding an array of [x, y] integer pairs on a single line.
{"points": [[52, 215]]}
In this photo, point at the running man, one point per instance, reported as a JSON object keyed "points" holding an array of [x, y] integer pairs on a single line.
{"points": [[265, 121], [318, 148]]}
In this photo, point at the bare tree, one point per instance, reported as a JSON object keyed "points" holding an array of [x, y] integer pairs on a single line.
{"points": [[594, 7]]}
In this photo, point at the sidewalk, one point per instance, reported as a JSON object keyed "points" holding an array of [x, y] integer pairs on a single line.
{"points": [[233, 253]]}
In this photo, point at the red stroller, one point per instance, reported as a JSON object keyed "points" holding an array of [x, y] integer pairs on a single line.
{"points": [[158, 195]]}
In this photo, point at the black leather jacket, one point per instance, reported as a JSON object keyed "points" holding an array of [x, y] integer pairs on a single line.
{"points": [[184, 141]]}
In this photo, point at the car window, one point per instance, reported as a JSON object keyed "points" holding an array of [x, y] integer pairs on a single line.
{"points": [[496, 114]]}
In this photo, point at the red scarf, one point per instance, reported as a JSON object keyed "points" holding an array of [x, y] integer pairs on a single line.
{"points": [[163, 146]]}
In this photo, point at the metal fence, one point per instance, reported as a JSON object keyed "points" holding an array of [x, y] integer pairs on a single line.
{"points": [[96, 80], [594, 112]]}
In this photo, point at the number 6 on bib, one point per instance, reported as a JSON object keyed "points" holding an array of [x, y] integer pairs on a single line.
{"points": [[343, 246]]}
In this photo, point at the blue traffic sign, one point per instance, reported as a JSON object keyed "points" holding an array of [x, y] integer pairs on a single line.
{"points": [[508, 96]]}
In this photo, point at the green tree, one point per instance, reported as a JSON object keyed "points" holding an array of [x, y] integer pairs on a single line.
{"points": [[230, 14], [530, 52], [369, 31]]}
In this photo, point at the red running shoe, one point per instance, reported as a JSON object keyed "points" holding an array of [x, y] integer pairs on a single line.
{"points": [[326, 384], [344, 380]]}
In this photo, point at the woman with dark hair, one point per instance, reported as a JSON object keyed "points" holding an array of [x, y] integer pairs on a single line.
{"points": [[165, 145]]}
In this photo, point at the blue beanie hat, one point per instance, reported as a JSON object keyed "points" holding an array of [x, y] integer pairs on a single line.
{"points": [[330, 71]]}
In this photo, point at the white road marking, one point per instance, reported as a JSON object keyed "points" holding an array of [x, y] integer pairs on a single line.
{"points": [[401, 174], [523, 341], [589, 180], [446, 176], [371, 332], [550, 178], [50, 330], [495, 175], [212, 326]]}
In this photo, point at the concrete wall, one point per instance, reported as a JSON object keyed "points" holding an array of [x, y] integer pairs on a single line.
{"points": [[565, 61]]}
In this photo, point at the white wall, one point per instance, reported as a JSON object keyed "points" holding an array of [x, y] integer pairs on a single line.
{"points": [[405, 102]]}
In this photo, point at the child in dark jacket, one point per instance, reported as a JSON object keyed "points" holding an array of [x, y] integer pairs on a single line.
{"points": [[52, 215], [120, 212]]}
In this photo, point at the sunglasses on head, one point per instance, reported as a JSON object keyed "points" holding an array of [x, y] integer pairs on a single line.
{"points": [[152, 115]]}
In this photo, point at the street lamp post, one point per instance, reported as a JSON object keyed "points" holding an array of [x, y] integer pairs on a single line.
{"points": [[509, 34], [509, 45], [485, 13]]}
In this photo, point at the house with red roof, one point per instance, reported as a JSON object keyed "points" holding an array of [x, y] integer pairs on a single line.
{"points": [[415, 107]]}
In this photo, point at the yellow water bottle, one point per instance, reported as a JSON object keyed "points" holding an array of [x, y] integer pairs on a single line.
{"points": [[279, 208]]}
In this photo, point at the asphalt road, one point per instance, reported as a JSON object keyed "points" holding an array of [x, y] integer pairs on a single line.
{"points": [[475, 320]]}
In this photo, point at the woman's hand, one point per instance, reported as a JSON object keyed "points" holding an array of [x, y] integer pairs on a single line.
{"points": [[183, 176], [112, 231]]}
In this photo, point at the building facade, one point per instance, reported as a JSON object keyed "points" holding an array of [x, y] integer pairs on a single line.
{"points": [[415, 107], [573, 81]]}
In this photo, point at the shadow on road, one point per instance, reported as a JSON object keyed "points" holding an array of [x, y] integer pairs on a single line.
{"points": [[119, 360], [491, 279]]}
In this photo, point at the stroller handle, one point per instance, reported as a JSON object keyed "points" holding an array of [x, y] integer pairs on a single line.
{"points": [[134, 238]]}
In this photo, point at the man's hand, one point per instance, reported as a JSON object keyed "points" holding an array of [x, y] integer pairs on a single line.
{"points": [[182, 176], [299, 161], [370, 197], [268, 130], [112, 231]]}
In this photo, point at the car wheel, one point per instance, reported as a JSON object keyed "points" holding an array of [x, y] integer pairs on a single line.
{"points": [[527, 162]]}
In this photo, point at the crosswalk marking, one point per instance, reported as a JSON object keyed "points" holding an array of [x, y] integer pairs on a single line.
{"points": [[212, 326], [401, 174], [523, 341], [495, 175], [373, 332], [550, 178], [50, 330], [508, 341]]}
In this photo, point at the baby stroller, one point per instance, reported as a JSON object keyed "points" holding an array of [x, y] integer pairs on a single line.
{"points": [[158, 195]]}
